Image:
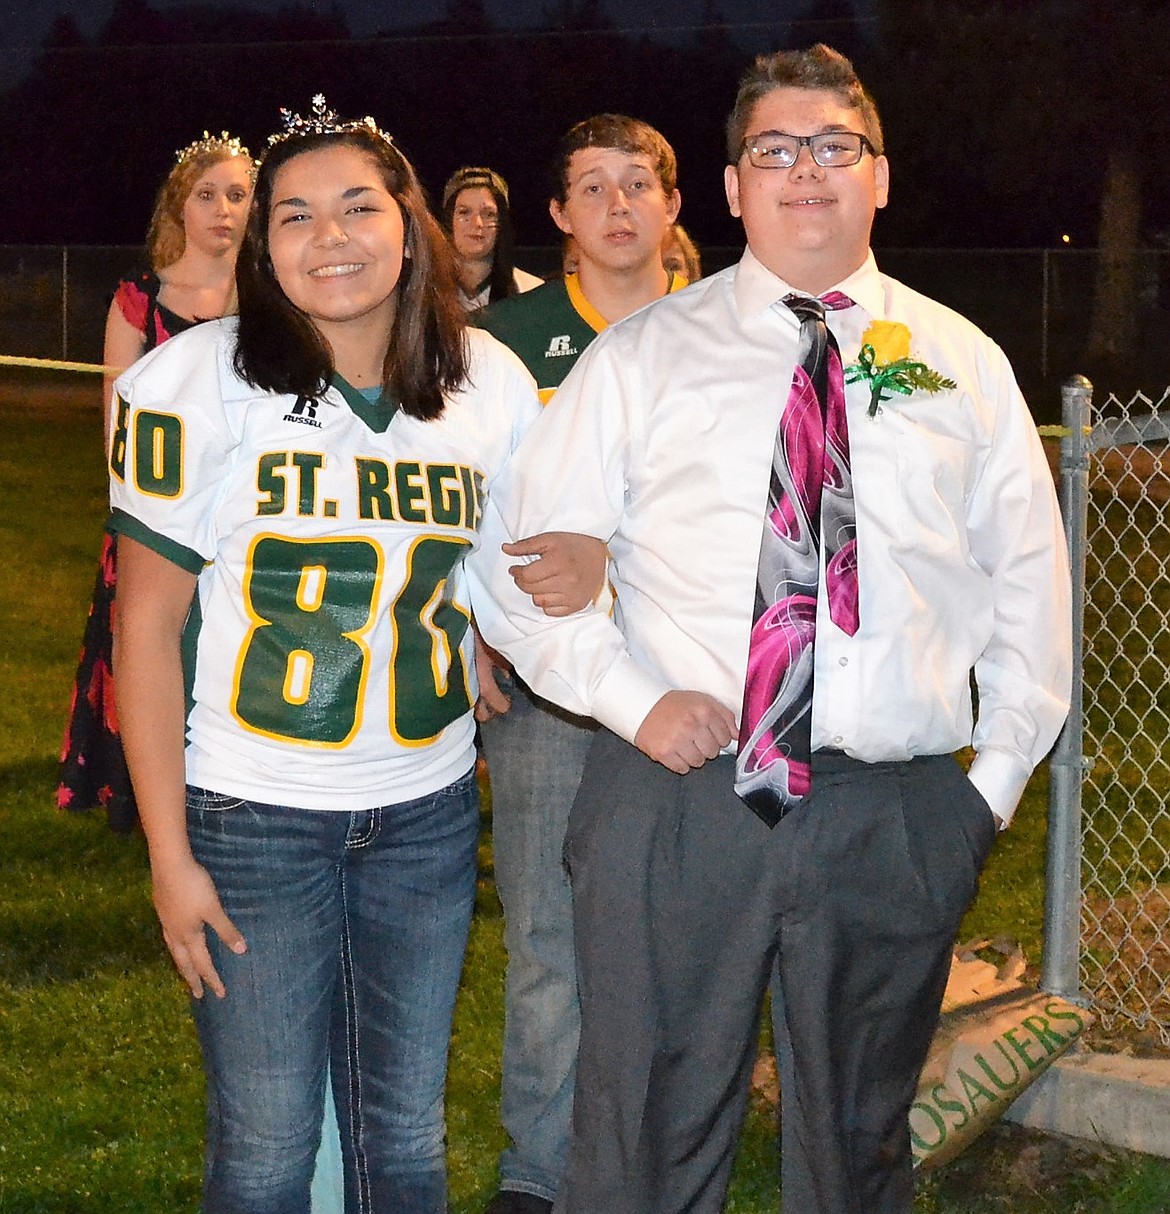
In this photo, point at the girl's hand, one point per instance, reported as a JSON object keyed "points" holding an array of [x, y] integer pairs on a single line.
{"points": [[568, 574], [492, 702], [186, 900]]}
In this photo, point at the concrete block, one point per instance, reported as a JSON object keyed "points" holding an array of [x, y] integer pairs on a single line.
{"points": [[1121, 1101]]}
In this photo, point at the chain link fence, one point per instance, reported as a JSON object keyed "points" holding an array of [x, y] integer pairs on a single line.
{"points": [[54, 299], [1036, 303], [1107, 930]]}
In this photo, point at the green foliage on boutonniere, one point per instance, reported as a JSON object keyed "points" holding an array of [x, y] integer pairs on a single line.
{"points": [[884, 361]]}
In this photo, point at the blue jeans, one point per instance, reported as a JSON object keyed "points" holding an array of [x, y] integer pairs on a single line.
{"points": [[356, 926], [535, 756]]}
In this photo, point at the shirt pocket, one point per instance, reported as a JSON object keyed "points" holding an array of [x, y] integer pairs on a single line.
{"points": [[934, 473]]}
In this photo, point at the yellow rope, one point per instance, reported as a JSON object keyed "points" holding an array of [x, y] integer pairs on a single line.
{"points": [[1060, 431], [56, 364]]}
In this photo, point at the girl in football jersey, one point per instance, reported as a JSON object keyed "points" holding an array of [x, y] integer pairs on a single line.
{"points": [[294, 492], [194, 235]]}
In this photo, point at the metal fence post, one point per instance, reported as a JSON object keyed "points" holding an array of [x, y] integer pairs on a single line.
{"points": [[1062, 906], [64, 301]]}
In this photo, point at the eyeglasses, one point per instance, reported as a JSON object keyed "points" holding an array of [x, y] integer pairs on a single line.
{"points": [[830, 149], [491, 219]]}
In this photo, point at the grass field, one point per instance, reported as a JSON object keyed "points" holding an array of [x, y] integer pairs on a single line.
{"points": [[101, 1088]]}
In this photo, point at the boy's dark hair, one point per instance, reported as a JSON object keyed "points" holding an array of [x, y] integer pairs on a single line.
{"points": [[819, 67], [617, 131]]}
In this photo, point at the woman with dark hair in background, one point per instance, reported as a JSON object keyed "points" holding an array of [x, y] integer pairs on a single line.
{"points": [[478, 221], [303, 482], [195, 232]]}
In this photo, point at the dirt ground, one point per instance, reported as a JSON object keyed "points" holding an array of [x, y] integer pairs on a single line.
{"points": [[49, 391], [1011, 1168], [1007, 1168], [1135, 931]]}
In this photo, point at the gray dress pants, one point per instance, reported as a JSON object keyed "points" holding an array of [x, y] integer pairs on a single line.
{"points": [[684, 906]]}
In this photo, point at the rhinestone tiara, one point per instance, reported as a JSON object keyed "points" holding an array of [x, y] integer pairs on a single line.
{"points": [[229, 145], [321, 120]]}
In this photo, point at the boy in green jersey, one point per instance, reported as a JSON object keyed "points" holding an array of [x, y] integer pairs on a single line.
{"points": [[617, 197]]}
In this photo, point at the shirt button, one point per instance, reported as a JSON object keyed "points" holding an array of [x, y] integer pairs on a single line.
{"points": [[838, 740], [843, 661]]}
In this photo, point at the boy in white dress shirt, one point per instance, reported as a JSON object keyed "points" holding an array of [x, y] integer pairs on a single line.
{"points": [[686, 902]]}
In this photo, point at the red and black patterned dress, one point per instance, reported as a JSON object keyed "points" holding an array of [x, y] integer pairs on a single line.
{"points": [[93, 768]]}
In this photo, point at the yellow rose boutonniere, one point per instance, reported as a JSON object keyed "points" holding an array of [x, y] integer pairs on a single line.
{"points": [[884, 360], [889, 340]]}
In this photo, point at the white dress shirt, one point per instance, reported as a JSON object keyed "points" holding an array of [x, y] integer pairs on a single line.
{"points": [[660, 443]]}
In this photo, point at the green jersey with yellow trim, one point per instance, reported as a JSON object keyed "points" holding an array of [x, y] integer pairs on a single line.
{"points": [[549, 328], [333, 662]]}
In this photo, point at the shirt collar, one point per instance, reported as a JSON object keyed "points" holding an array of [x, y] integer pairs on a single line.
{"points": [[757, 288]]}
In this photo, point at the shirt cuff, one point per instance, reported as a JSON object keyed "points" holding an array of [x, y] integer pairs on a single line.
{"points": [[1000, 779], [624, 697]]}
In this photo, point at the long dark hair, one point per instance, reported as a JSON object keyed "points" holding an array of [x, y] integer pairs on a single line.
{"points": [[279, 348], [502, 279]]}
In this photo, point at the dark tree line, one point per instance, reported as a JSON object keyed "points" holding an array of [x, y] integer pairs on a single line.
{"points": [[1009, 122], [1037, 118]]}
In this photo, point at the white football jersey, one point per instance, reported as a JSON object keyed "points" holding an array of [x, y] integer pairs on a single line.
{"points": [[329, 656]]}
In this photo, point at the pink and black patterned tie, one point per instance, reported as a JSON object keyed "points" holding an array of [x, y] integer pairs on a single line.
{"points": [[810, 494]]}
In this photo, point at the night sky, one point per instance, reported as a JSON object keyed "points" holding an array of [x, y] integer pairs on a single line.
{"points": [[449, 99], [24, 25], [994, 133]]}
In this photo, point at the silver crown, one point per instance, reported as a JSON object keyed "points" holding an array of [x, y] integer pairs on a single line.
{"points": [[322, 120], [229, 145]]}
